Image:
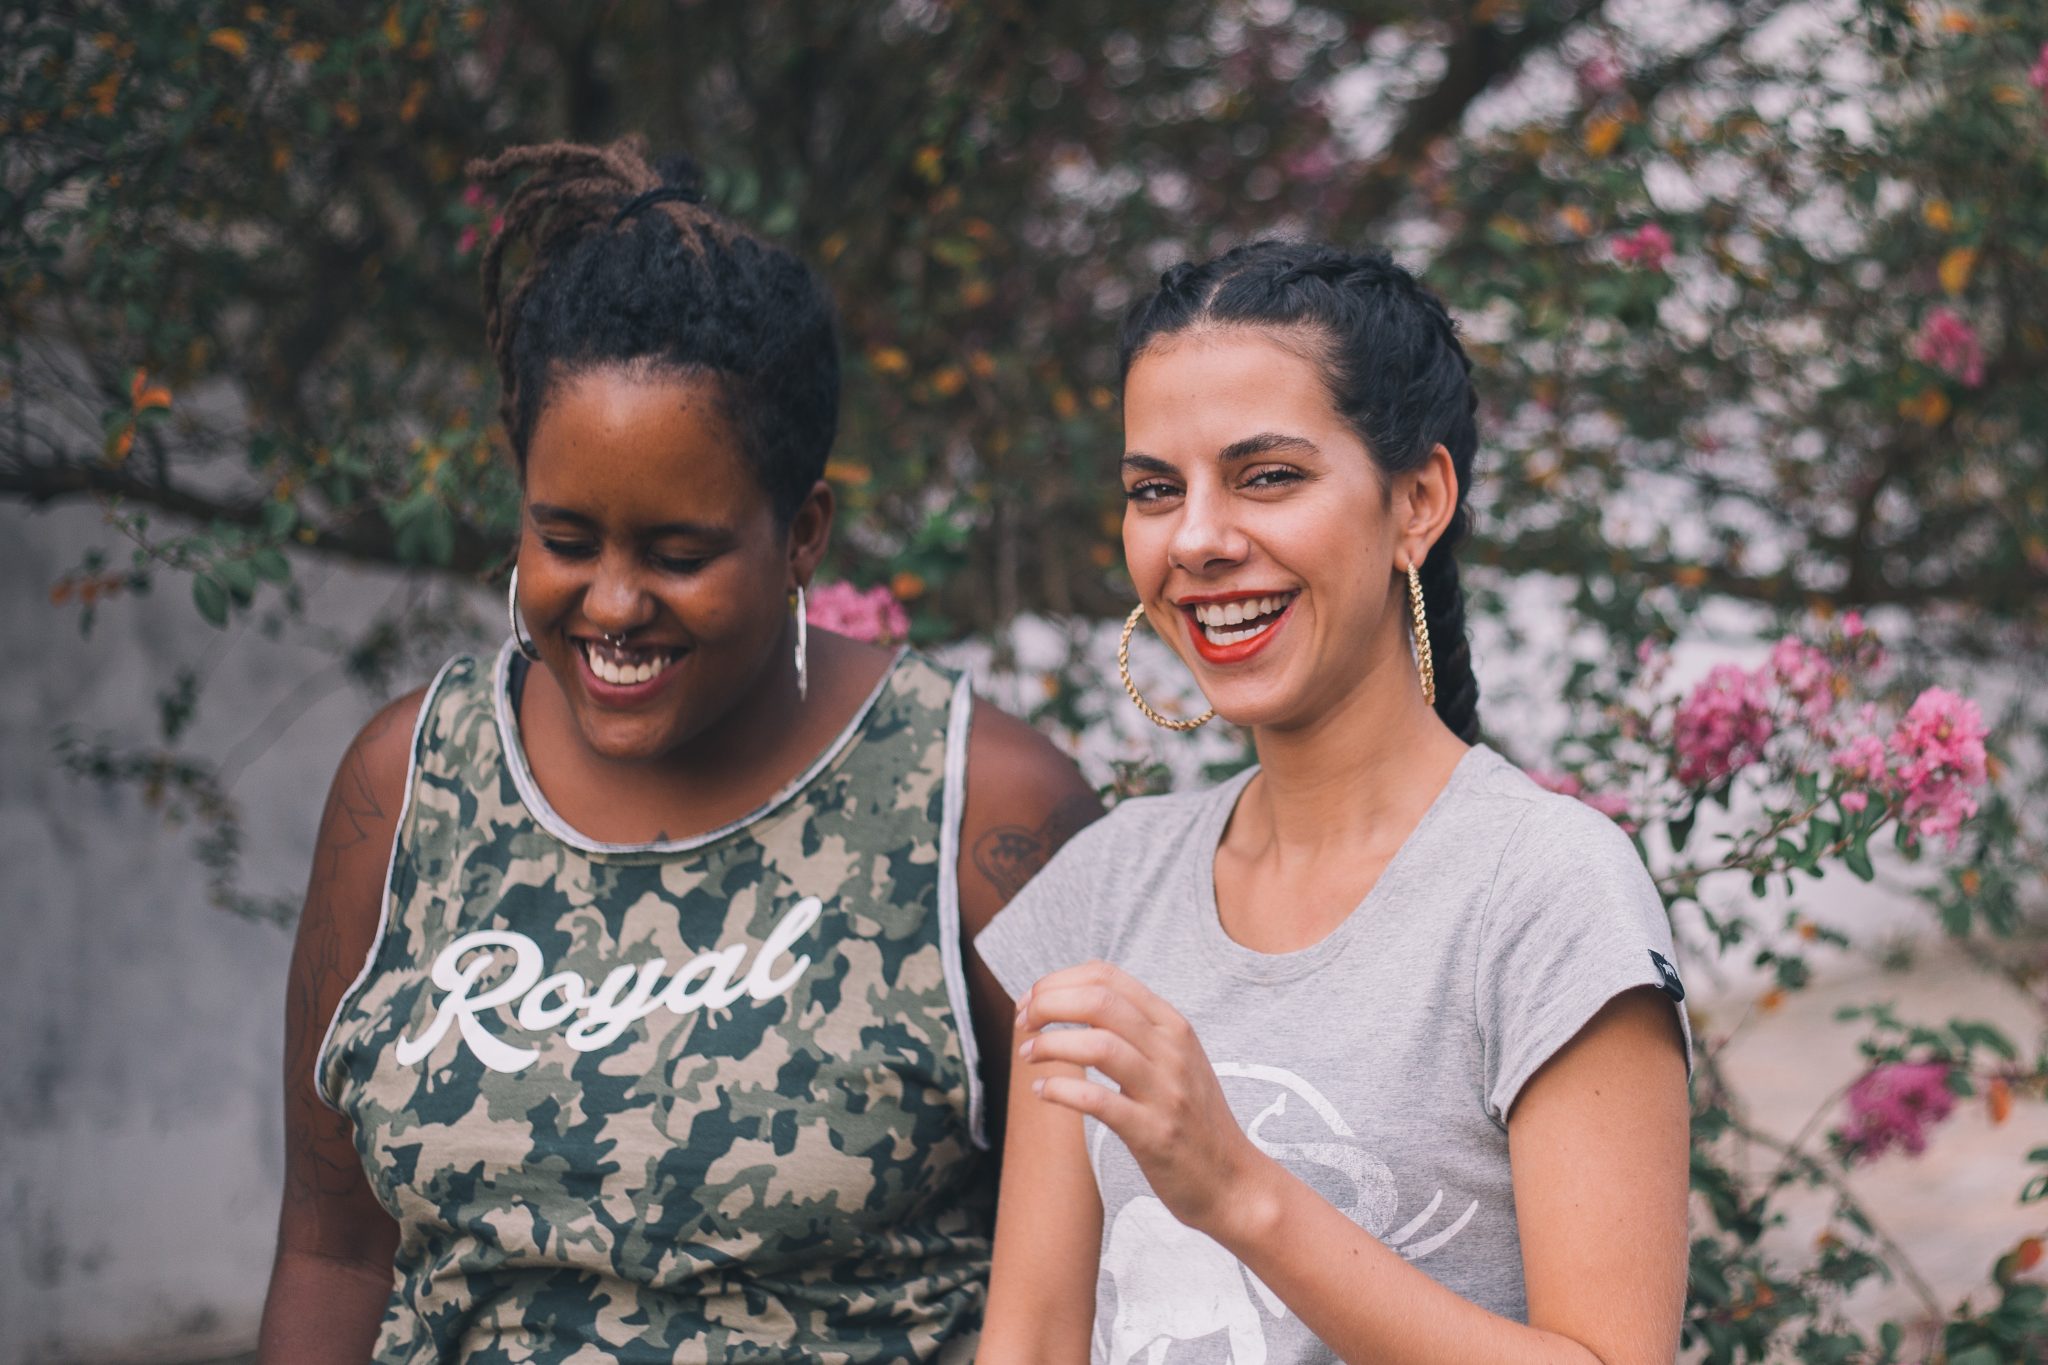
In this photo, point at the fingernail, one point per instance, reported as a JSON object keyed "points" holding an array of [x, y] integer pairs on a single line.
{"points": [[1025, 1051]]}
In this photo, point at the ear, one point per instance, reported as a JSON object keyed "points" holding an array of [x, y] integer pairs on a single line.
{"points": [[810, 532], [1425, 500]]}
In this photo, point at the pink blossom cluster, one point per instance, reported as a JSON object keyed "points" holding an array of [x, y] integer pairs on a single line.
{"points": [[1613, 805], [1649, 246], [1723, 725], [1940, 748], [1893, 1106], [2038, 77], [1950, 344], [1600, 74], [475, 199], [871, 614], [1807, 676]]}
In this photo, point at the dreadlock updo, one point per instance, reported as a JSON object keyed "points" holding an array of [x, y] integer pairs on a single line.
{"points": [[630, 268], [1395, 371]]}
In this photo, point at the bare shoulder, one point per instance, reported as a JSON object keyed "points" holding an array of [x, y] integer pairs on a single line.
{"points": [[1024, 800], [344, 892]]}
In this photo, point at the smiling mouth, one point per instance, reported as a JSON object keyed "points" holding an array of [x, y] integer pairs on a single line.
{"points": [[628, 666], [1223, 624]]}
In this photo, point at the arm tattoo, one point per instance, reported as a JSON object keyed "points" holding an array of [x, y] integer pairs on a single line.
{"points": [[1011, 855], [350, 830]]}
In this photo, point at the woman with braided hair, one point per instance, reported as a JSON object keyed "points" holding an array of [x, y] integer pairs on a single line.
{"points": [[629, 1018], [1371, 1052]]}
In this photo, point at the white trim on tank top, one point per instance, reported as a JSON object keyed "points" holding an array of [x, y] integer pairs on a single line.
{"points": [[412, 763], [954, 808], [547, 818]]}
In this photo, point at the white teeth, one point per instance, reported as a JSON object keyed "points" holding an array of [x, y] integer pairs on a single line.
{"points": [[1234, 613], [625, 674]]}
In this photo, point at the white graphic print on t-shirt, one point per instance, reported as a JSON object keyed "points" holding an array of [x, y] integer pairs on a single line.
{"points": [[1172, 1283]]}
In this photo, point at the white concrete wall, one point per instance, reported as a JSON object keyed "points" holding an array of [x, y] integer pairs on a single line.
{"points": [[140, 1156]]}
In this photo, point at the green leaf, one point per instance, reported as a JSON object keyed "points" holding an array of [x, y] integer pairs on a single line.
{"points": [[211, 597], [1857, 860], [270, 565]]}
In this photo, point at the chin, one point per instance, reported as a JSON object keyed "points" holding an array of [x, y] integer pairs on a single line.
{"points": [[626, 740]]}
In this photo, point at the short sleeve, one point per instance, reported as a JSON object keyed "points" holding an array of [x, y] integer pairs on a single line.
{"points": [[1573, 921], [1052, 923]]}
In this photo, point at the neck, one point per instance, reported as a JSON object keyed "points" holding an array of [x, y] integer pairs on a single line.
{"points": [[1370, 764]]}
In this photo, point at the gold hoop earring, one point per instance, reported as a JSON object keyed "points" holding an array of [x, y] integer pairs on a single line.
{"points": [[519, 635], [1425, 662], [1123, 668]]}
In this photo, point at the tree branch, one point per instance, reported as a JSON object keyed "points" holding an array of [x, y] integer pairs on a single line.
{"points": [[364, 541]]}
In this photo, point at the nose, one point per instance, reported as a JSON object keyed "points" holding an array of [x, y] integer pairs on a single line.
{"points": [[1205, 538], [616, 603]]}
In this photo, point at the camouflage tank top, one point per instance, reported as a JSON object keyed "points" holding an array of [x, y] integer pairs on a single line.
{"points": [[712, 1099]]}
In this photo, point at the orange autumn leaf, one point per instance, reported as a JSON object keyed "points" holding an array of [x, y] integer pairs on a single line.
{"points": [[1929, 407], [394, 27], [103, 90], [1956, 268], [2027, 1254], [847, 472], [889, 360], [1690, 577], [1938, 215], [122, 443], [409, 108], [906, 586], [232, 41], [983, 364], [1998, 1099], [949, 381], [306, 53], [1064, 402], [144, 395], [1601, 135]]}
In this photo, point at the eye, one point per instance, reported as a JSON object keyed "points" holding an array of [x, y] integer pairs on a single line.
{"points": [[1275, 476], [1150, 490], [568, 549], [680, 564]]}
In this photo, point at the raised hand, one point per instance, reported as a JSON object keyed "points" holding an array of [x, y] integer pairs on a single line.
{"points": [[1167, 1105]]}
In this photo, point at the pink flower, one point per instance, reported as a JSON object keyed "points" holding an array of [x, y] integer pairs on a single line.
{"points": [[473, 196], [1852, 625], [2038, 77], [1807, 677], [1855, 802], [1862, 760], [873, 614], [1722, 727], [1940, 747], [1613, 805], [1599, 74], [1649, 246], [1894, 1105], [1950, 345], [465, 241]]}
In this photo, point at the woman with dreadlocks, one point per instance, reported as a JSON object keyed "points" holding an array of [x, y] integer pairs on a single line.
{"points": [[629, 1018]]}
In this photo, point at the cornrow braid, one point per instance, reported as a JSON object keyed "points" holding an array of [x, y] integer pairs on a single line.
{"points": [[1395, 370], [628, 267]]}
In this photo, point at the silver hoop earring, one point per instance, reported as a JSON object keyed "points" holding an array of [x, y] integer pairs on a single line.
{"points": [[519, 636], [803, 646]]}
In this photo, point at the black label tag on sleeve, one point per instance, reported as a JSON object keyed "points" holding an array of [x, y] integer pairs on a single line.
{"points": [[1667, 976]]}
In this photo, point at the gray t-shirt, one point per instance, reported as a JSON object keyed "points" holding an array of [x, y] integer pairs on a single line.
{"points": [[1379, 1064]]}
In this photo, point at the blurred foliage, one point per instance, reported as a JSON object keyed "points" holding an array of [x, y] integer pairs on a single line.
{"points": [[1757, 289], [236, 256]]}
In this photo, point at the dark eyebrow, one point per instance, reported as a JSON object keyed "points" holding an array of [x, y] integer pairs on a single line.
{"points": [[544, 511], [1265, 443]]}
